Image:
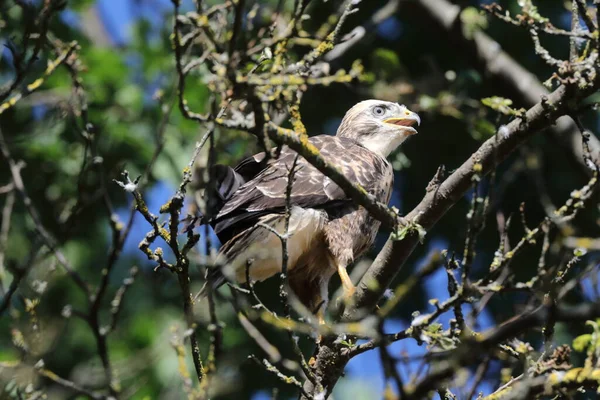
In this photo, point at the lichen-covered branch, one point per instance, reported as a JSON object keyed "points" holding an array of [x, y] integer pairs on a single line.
{"points": [[487, 55], [437, 201]]}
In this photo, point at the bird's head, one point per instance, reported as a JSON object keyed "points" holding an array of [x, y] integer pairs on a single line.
{"points": [[380, 126]]}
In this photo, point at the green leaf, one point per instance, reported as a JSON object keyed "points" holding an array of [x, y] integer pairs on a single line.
{"points": [[434, 327], [410, 227], [400, 161], [473, 20], [580, 343], [497, 103], [483, 129], [386, 63], [428, 103], [502, 105], [531, 11], [81, 5], [130, 97]]}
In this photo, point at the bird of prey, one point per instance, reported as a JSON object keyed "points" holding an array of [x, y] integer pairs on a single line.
{"points": [[327, 230]]}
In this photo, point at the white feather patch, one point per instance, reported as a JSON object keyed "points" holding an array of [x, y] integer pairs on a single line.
{"points": [[306, 225], [383, 143]]}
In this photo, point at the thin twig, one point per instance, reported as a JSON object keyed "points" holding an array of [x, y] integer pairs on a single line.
{"points": [[15, 170]]}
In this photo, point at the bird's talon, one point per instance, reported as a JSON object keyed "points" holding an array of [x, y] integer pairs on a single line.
{"points": [[349, 291], [321, 318], [347, 285]]}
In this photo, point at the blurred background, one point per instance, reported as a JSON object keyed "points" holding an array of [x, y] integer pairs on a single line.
{"points": [[129, 78]]}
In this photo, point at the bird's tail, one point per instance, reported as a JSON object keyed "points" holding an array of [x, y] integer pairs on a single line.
{"points": [[214, 280], [226, 182]]}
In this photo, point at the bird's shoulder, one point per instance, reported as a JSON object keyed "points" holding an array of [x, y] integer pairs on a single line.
{"points": [[348, 154]]}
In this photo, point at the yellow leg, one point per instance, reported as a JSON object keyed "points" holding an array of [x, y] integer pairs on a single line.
{"points": [[347, 284], [321, 316], [321, 319]]}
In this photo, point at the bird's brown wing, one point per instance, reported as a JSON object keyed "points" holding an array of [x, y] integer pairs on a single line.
{"points": [[266, 192]]}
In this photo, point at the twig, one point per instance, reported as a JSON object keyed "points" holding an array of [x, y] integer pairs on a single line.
{"points": [[32, 87], [580, 4], [15, 170], [215, 328], [50, 8], [183, 107], [432, 207], [116, 305], [290, 380], [390, 370], [475, 349], [72, 386], [487, 56], [4, 229], [271, 351], [173, 208]]}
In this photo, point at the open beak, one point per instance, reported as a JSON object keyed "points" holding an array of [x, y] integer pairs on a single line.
{"points": [[409, 119]]}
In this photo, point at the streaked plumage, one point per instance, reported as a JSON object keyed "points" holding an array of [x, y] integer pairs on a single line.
{"points": [[327, 230]]}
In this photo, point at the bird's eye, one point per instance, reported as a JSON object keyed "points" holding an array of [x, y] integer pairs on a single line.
{"points": [[378, 111]]}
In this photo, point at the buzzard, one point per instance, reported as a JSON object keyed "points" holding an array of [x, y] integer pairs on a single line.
{"points": [[327, 231]]}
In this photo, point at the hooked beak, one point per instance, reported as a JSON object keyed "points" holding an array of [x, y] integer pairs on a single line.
{"points": [[408, 120]]}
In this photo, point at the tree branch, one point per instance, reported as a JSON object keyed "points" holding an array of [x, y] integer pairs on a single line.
{"points": [[489, 58], [437, 201]]}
